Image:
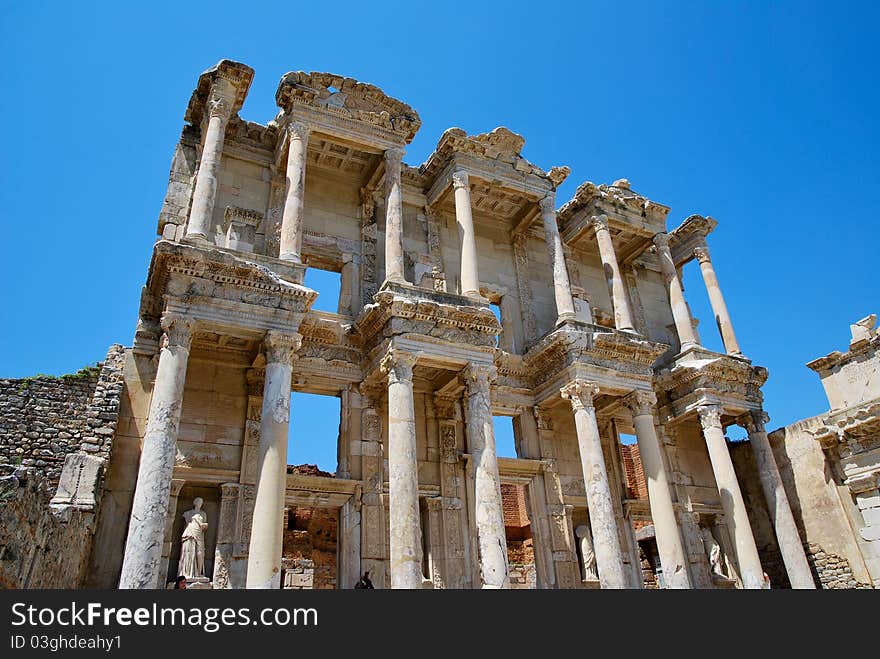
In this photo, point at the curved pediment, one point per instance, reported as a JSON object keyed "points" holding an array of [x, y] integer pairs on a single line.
{"points": [[348, 97]]}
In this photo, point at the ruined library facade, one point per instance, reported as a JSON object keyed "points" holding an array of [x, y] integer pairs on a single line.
{"points": [[468, 291]]}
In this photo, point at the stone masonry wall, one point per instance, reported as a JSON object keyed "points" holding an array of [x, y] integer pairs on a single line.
{"points": [[43, 418], [41, 548]]}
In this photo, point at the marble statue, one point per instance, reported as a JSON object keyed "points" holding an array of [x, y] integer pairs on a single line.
{"points": [[713, 551], [588, 556], [192, 542]]}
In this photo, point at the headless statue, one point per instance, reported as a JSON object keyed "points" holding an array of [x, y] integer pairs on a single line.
{"points": [[588, 556], [192, 542]]}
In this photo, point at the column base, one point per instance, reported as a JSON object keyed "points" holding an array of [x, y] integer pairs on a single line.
{"points": [[290, 256], [199, 239], [563, 318]]}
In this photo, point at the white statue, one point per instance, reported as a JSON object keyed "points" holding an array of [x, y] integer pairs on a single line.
{"points": [[713, 551], [192, 542], [588, 556]]}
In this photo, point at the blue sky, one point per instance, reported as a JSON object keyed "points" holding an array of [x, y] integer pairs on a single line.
{"points": [[761, 114]]}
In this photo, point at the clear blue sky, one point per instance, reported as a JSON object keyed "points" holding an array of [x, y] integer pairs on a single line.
{"points": [[760, 114]]}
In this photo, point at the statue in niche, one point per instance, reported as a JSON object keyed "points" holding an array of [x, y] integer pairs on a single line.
{"points": [[713, 552], [192, 542], [588, 556]]}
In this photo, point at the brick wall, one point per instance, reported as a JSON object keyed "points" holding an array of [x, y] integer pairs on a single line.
{"points": [[636, 486], [513, 500]]}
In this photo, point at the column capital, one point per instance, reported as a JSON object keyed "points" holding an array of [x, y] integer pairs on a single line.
{"points": [[176, 485], [178, 330], [542, 418], [219, 106], [641, 403], [548, 204], [478, 377], [460, 179], [580, 393], [298, 129], [661, 240], [398, 365], [710, 416], [599, 222], [701, 253], [753, 421], [281, 347], [394, 156], [229, 490]]}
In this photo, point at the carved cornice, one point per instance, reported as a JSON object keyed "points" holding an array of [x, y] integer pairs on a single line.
{"points": [[348, 99], [401, 309], [500, 147], [617, 199], [690, 234]]}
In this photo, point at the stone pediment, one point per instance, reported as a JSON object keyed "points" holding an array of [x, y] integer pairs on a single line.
{"points": [[348, 98], [500, 145], [616, 199]]}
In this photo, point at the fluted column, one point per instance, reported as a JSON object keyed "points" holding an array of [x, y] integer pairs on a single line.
{"points": [[264, 553], [787, 536], [606, 540], [680, 312], [623, 318], [393, 217], [719, 308], [737, 518], [142, 561], [292, 217], [470, 279], [489, 513], [561, 284], [219, 109], [669, 543], [403, 473]]}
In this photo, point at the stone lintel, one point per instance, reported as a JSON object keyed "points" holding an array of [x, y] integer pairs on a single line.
{"points": [[687, 236]]}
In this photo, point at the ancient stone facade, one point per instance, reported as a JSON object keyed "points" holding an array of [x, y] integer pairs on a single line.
{"points": [[830, 465], [595, 341]]}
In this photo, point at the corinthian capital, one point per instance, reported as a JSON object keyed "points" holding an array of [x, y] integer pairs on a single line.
{"points": [[281, 347], [398, 365], [662, 241], [702, 254], [219, 106], [753, 421], [460, 179], [393, 157], [178, 330], [641, 403], [580, 393], [298, 130], [478, 377], [599, 222], [710, 416], [547, 204]]}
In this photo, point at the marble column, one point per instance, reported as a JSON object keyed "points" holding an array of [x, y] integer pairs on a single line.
{"points": [[737, 518], [292, 216], [719, 308], [142, 561], [787, 536], [219, 109], [488, 513], [561, 285], [606, 540], [680, 312], [264, 552], [403, 474], [470, 279], [393, 217], [623, 317], [669, 543]]}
